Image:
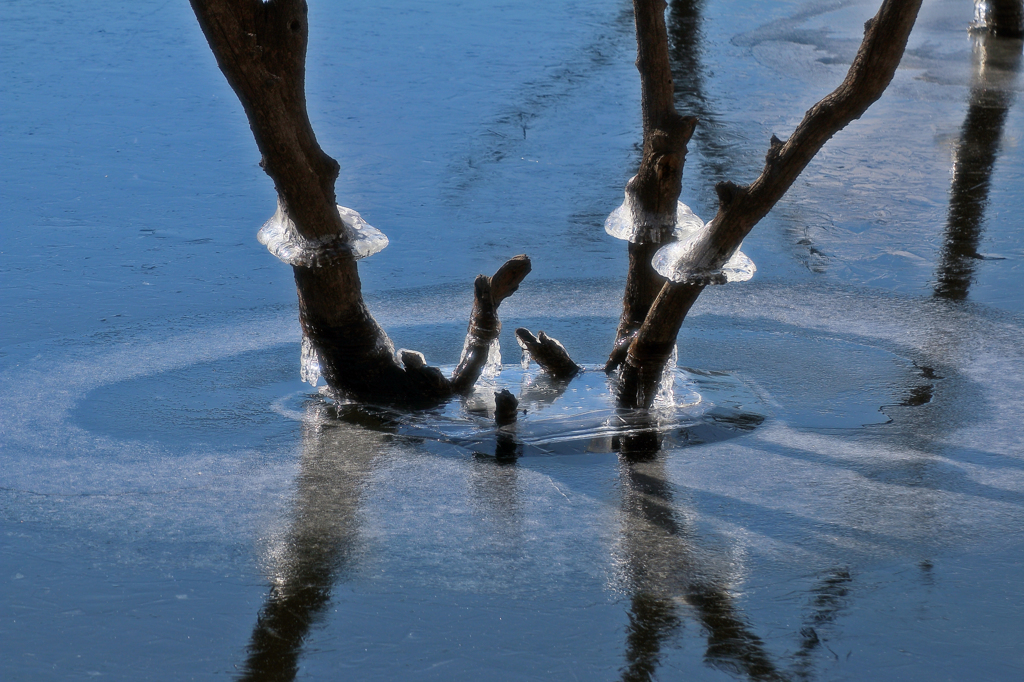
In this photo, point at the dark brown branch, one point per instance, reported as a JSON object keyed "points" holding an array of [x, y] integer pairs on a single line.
{"points": [[484, 325], [655, 188], [1004, 18], [261, 48], [740, 208], [506, 408], [548, 353]]}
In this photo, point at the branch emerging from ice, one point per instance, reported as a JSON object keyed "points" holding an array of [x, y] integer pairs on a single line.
{"points": [[740, 208], [548, 353], [484, 326], [630, 222]]}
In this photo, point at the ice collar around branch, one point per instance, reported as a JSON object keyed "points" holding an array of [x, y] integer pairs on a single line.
{"points": [[690, 259], [282, 238], [632, 223]]}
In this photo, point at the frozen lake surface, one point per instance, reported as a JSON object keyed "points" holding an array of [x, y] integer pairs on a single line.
{"points": [[841, 493]]}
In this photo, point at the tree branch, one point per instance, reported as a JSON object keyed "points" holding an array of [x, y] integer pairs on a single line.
{"points": [[654, 191], [740, 208], [549, 354], [261, 48], [484, 325]]}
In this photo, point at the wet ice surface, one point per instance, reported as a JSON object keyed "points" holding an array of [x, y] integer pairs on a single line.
{"points": [[171, 491], [555, 417], [153, 485]]}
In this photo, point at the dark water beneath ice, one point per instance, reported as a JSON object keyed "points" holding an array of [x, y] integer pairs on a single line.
{"points": [[839, 495]]}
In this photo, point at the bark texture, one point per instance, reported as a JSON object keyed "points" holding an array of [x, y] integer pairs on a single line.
{"points": [[484, 326], [655, 188], [261, 49], [741, 207], [548, 353]]}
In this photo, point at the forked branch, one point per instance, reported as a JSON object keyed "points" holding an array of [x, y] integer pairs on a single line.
{"points": [[740, 208], [484, 326], [548, 353]]}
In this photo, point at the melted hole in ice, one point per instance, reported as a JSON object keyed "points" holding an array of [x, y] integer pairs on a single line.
{"points": [[282, 239], [558, 417]]}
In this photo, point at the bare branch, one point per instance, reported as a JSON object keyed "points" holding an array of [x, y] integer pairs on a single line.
{"points": [[740, 208], [549, 354], [506, 407], [261, 48], [655, 188], [484, 325]]}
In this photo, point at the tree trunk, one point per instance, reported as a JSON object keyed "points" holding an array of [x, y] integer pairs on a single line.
{"points": [[261, 48], [654, 190], [1002, 18]]}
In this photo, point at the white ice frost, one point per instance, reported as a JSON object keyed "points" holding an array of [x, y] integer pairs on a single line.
{"points": [[282, 239], [690, 259], [982, 16], [309, 364], [666, 397], [629, 221], [493, 366]]}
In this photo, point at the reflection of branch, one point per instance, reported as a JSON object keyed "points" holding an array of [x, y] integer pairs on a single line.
{"points": [[665, 566], [829, 599], [283, 623], [686, 47], [336, 461], [996, 63], [652, 620], [731, 644]]}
